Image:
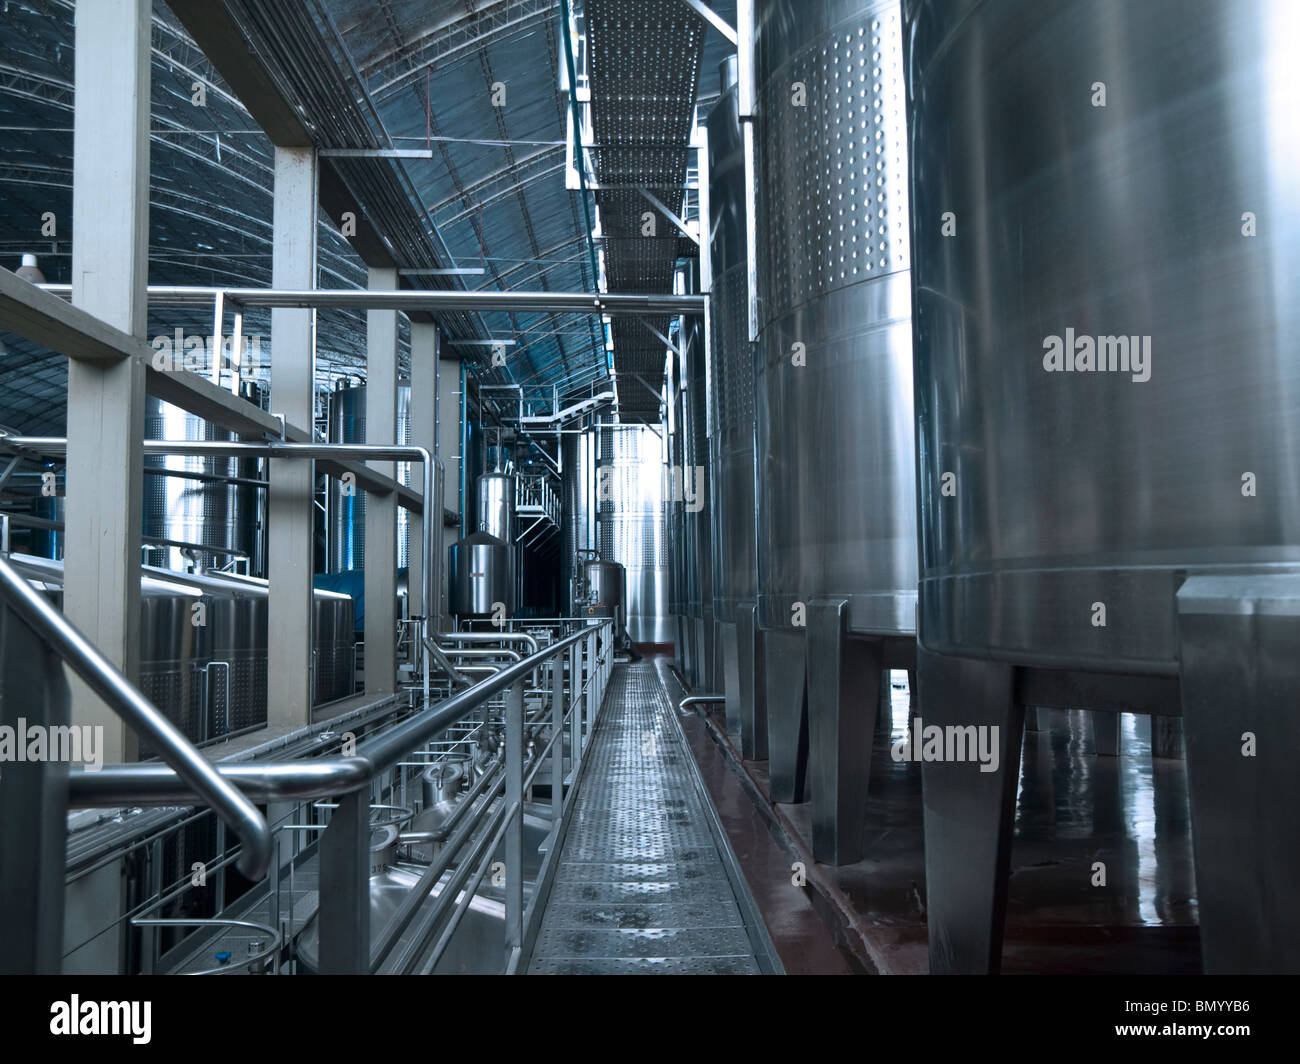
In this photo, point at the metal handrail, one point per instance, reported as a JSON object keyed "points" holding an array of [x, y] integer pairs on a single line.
{"points": [[319, 778], [187, 764]]}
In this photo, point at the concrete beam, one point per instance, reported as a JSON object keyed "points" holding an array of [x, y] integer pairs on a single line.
{"points": [[104, 482], [218, 34], [290, 513], [381, 511], [45, 319]]}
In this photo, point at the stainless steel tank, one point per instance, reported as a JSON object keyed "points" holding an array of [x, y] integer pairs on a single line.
{"points": [[479, 572], [734, 571], [234, 626], [578, 512], [607, 586], [175, 653], [496, 506], [216, 503], [1156, 237], [837, 511], [689, 481], [345, 537], [633, 526]]}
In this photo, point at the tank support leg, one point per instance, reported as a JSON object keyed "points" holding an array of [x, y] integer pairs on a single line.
{"points": [[787, 715], [729, 651], [969, 812], [844, 693], [1167, 737], [1105, 733], [753, 700], [1240, 685]]}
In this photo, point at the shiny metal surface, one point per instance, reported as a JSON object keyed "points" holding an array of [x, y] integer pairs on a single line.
{"points": [[477, 947], [632, 525], [607, 586], [100, 675], [1080, 487], [479, 571], [837, 507], [496, 505], [345, 523], [691, 481], [202, 511], [578, 513], [731, 447]]}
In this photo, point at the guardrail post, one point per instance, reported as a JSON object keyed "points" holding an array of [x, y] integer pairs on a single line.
{"points": [[594, 669], [575, 704], [557, 748], [514, 841], [344, 913]]}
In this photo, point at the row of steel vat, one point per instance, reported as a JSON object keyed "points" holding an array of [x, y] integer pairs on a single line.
{"points": [[203, 645], [902, 475]]}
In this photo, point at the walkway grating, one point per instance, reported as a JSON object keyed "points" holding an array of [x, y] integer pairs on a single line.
{"points": [[641, 886]]}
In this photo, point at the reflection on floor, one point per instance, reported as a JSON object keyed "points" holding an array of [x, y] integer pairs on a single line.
{"points": [[1074, 809]]}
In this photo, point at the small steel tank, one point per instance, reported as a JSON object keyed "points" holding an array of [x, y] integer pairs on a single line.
{"points": [[607, 587], [496, 506], [346, 517], [217, 503], [479, 572]]}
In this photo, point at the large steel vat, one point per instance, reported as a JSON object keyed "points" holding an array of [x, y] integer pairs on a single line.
{"points": [[732, 391], [1122, 228], [837, 511]]}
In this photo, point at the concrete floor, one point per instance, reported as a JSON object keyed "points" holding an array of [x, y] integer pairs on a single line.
{"points": [[1074, 809]]}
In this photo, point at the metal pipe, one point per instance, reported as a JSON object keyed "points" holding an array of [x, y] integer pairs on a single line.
{"points": [[443, 661], [483, 654], [366, 452], [143, 718], [490, 637], [265, 781], [697, 700], [428, 300]]}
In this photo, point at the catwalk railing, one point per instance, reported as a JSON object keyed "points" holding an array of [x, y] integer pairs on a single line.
{"points": [[354, 784]]}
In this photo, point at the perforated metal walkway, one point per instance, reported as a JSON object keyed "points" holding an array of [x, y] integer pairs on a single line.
{"points": [[641, 885]]}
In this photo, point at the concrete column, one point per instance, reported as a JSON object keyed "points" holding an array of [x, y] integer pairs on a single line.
{"points": [[424, 395], [110, 207], [289, 543], [381, 510], [110, 222]]}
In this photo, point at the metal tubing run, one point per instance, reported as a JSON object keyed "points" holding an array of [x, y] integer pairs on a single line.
{"points": [[187, 764], [490, 637], [696, 700], [147, 785], [427, 300], [365, 452]]}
